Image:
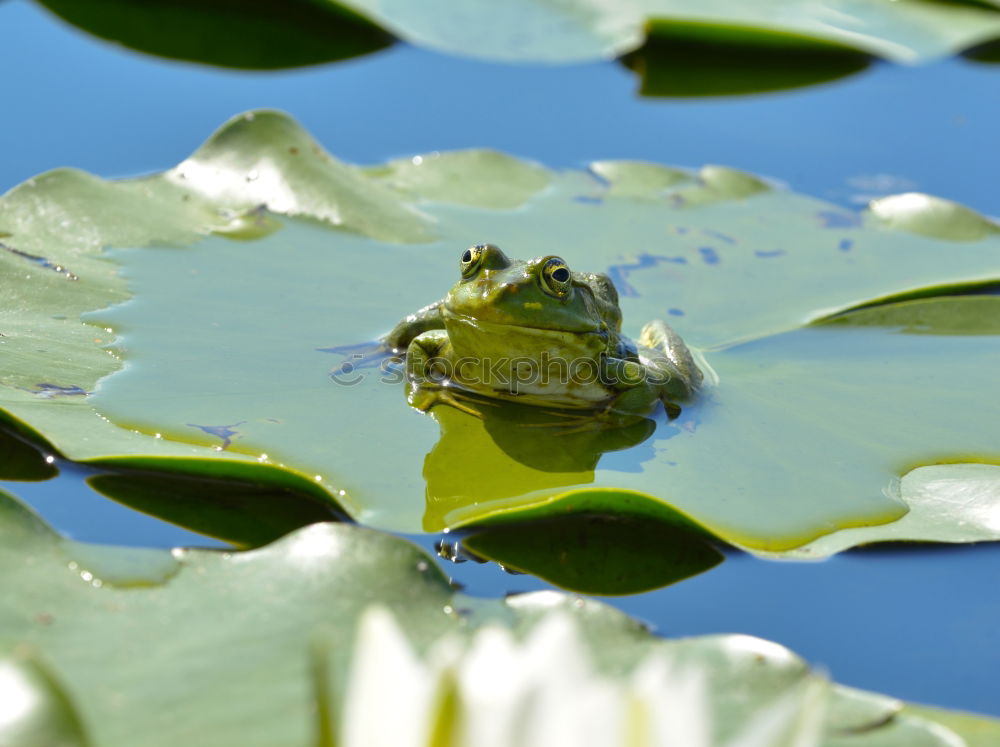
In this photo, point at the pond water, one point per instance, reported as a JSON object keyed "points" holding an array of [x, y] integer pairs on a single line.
{"points": [[915, 622]]}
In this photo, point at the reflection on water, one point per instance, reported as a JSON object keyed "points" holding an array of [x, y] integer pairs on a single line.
{"points": [[514, 451]]}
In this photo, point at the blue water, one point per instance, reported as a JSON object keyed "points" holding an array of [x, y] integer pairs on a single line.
{"points": [[919, 623], [77, 101]]}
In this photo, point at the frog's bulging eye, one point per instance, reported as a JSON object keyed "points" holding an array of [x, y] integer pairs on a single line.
{"points": [[556, 277], [471, 259]]}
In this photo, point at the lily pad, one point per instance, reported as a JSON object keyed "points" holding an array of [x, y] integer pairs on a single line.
{"points": [[822, 39], [532, 30], [36, 709], [250, 505], [799, 432], [22, 460], [685, 59], [597, 554], [265, 633], [258, 35]]}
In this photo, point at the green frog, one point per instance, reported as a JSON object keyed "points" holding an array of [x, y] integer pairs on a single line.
{"points": [[537, 333]]}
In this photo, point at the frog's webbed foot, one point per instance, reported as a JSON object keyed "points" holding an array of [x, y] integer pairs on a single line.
{"points": [[425, 396]]}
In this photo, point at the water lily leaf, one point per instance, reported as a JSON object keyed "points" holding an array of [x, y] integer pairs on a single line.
{"points": [[988, 53], [245, 627], [36, 709], [259, 35], [22, 460], [947, 503], [456, 177], [932, 216], [683, 59], [529, 30], [975, 731], [596, 554], [251, 505], [816, 41], [814, 425], [962, 315]]}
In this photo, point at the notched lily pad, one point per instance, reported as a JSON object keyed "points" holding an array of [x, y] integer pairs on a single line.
{"points": [[734, 264]]}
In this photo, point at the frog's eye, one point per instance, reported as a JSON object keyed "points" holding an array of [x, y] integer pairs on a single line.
{"points": [[471, 259], [556, 277]]}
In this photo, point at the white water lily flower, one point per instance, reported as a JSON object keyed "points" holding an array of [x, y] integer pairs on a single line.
{"points": [[496, 691]]}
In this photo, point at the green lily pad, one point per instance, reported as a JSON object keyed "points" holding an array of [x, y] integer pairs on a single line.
{"points": [[799, 432], [22, 460], [530, 30], [258, 35], [904, 31], [36, 708], [248, 628], [251, 505], [812, 41], [597, 554], [685, 59]]}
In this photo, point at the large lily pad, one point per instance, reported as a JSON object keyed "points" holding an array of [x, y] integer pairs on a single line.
{"points": [[801, 431], [906, 31], [826, 39], [247, 646]]}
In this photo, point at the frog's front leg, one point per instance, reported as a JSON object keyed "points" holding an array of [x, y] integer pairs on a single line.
{"points": [[408, 329], [429, 376], [668, 362], [636, 393]]}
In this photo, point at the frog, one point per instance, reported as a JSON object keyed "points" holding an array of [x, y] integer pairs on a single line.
{"points": [[536, 332]]}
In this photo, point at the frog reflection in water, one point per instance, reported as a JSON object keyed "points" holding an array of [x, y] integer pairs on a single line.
{"points": [[536, 333]]}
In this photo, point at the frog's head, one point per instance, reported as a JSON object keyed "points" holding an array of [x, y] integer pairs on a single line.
{"points": [[541, 296]]}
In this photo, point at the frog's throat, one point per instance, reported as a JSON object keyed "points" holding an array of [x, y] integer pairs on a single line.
{"points": [[487, 323]]}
